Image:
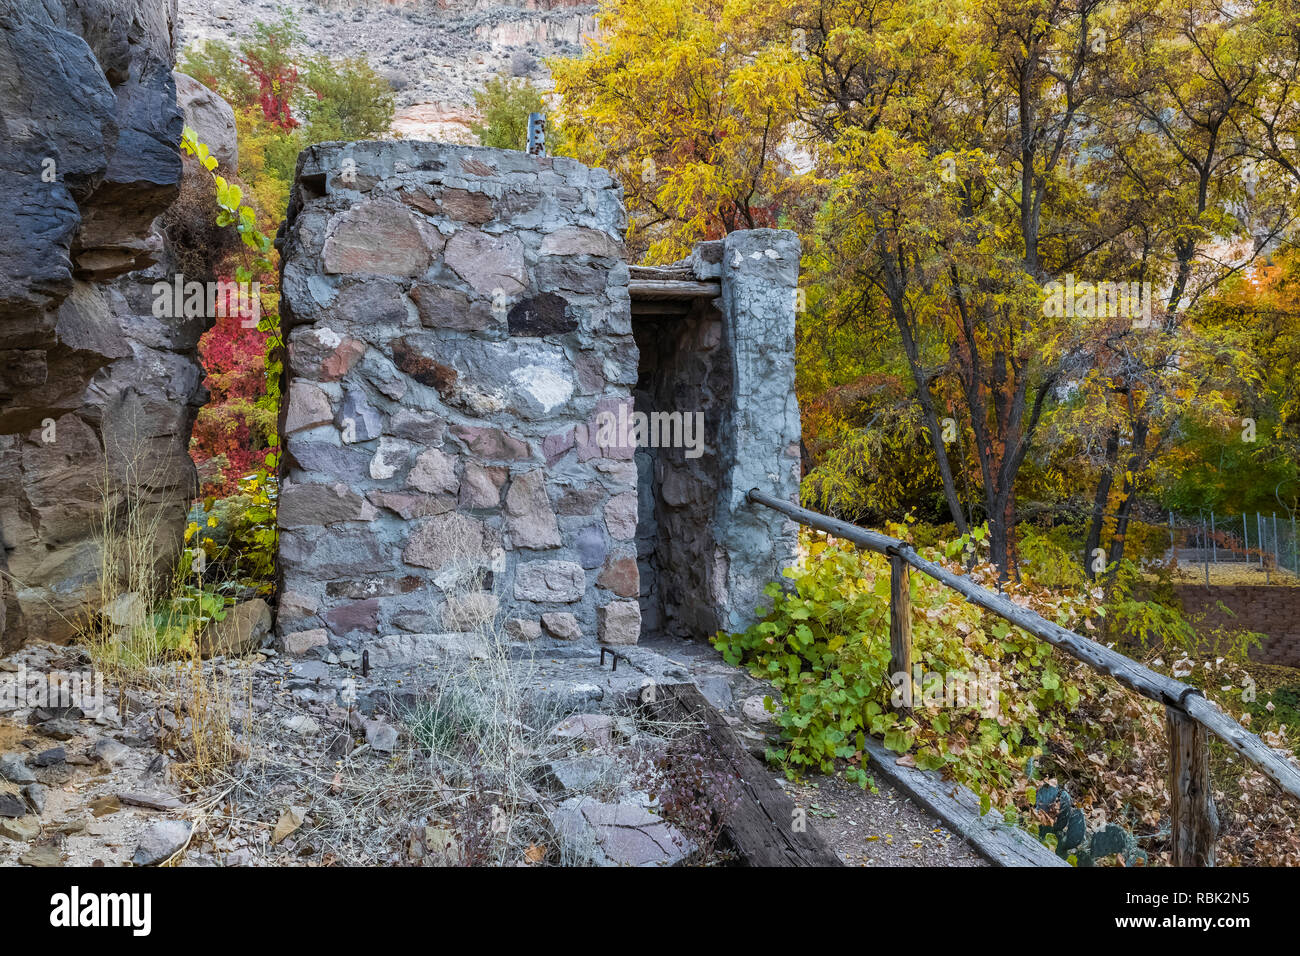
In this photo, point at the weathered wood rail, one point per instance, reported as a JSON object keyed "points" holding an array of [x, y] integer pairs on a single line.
{"points": [[1191, 717], [761, 824]]}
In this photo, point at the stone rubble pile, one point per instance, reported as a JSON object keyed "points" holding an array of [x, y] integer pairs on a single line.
{"points": [[78, 787]]}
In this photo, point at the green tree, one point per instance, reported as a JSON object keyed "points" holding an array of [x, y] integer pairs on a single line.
{"points": [[504, 105], [345, 100], [217, 66]]}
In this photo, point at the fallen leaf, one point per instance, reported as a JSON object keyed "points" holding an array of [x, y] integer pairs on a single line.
{"points": [[105, 805], [290, 820]]}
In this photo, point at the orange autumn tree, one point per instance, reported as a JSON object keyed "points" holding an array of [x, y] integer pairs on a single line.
{"points": [[1268, 304], [1250, 458]]}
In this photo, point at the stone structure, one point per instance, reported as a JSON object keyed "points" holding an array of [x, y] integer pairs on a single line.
{"points": [[716, 338], [1273, 611], [460, 322], [95, 393], [460, 433]]}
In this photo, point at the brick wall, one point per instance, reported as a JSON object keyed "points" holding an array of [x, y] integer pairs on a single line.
{"points": [[1272, 611]]}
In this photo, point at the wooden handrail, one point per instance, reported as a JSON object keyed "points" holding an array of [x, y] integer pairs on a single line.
{"points": [[1189, 712]]}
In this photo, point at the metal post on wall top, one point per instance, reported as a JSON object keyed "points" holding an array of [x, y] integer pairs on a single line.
{"points": [[536, 134], [1277, 556]]}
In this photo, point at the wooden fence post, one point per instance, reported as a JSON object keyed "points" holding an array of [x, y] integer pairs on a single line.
{"points": [[1195, 822], [900, 621], [1195, 827]]}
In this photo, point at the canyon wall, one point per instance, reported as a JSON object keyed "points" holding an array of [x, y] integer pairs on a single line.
{"points": [[436, 54], [97, 396]]}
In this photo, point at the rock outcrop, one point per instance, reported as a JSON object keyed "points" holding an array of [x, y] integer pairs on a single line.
{"points": [[97, 395], [212, 118]]}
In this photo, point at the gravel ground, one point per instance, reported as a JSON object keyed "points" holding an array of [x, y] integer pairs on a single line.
{"points": [[878, 829]]}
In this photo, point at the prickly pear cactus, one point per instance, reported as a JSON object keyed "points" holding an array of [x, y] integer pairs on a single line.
{"points": [[1072, 837]]}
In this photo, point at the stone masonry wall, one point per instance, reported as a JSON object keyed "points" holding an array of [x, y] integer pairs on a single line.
{"points": [[706, 553], [759, 442], [456, 318], [1272, 611]]}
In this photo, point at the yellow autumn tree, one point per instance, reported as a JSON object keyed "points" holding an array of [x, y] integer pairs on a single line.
{"points": [[689, 104]]}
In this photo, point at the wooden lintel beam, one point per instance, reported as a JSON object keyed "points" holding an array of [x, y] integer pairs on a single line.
{"points": [[672, 289]]}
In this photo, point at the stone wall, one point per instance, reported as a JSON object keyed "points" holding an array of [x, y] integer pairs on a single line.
{"points": [[460, 338], [1272, 611], [456, 319], [760, 440], [726, 360], [95, 393]]}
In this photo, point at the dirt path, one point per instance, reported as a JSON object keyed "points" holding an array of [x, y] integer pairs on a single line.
{"points": [[879, 829]]}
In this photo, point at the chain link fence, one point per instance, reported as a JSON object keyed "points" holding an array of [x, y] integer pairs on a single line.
{"points": [[1266, 544]]}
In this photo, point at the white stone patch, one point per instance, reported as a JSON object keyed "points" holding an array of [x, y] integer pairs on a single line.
{"points": [[462, 576], [547, 387], [771, 254], [387, 460], [321, 290], [481, 403], [327, 337], [450, 578]]}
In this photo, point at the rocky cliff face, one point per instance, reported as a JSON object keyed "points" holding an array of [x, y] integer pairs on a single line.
{"points": [[97, 396], [435, 53]]}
